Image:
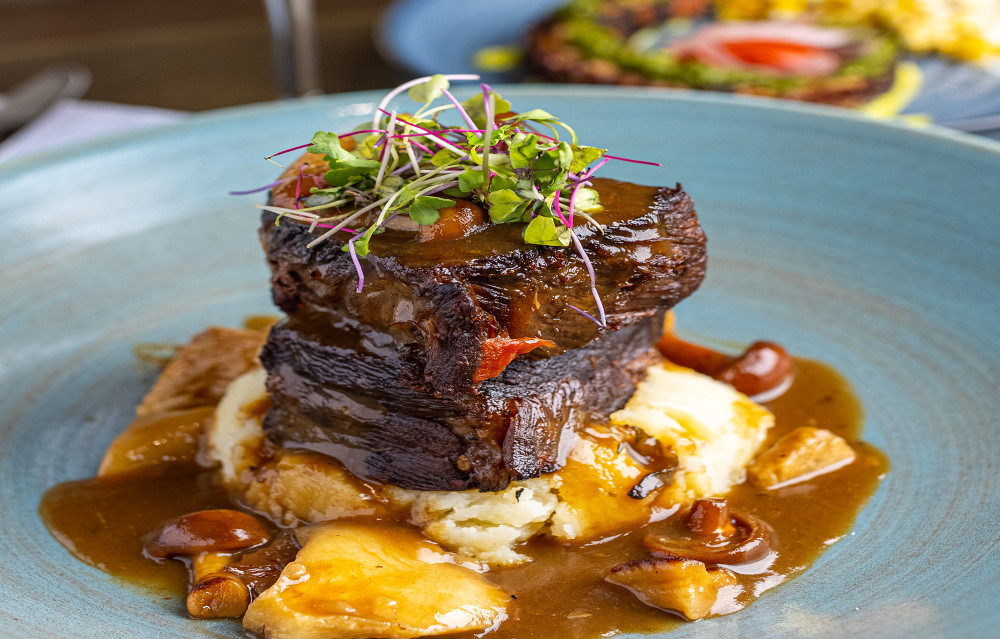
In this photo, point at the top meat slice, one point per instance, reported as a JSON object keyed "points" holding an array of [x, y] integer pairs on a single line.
{"points": [[452, 303]]}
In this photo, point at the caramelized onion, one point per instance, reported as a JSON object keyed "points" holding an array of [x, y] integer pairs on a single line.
{"points": [[719, 536]]}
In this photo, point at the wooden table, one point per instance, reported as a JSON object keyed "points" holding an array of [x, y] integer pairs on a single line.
{"points": [[184, 54]]}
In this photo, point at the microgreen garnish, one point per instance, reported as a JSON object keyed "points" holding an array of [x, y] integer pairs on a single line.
{"points": [[406, 160]]}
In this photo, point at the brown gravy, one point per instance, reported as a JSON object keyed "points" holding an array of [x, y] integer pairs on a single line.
{"points": [[102, 521]]}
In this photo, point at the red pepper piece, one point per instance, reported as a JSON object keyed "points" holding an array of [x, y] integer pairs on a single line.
{"points": [[498, 352]]}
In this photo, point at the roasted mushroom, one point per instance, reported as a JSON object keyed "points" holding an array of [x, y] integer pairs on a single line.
{"points": [[682, 586], [762, 368], [718, 536]]}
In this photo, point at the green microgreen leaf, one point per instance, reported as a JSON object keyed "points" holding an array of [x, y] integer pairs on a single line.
{"points": [[544, 230], [427, 92], [470, 179], [390, 184], [505, 206], [523, 149], [405, 196], [361, 243], [535, 115], [425, 209], [551, 168], [587, 200], [344, 165], [444, 157], [502, 182], [583, 156]]}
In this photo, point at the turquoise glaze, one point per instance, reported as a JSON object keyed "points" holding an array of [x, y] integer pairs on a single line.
{"points": [[867, 245]]}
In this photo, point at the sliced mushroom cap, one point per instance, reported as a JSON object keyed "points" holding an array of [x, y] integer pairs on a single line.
{"points": [[718, 536], [219, 530], [682, 586]]}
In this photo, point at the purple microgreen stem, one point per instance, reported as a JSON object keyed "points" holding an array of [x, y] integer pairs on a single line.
{"points": [[593, 278], [587, 315], [352, 133], [350, 218], [412, 83], [294, 148], [487, 90], [459, 108], [298, 184], [357, 264], [558, 211], [487, 135], [384, 157], [263, 188], [615, 157], [421, 147], [594, 168], [572, 199]]}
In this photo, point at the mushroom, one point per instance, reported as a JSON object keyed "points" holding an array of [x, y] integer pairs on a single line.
{"points": [[218, 530], [207, 538], [682, 586], [799, 455], [228, 591], [718, 536], [762, 367], [215, 594]]}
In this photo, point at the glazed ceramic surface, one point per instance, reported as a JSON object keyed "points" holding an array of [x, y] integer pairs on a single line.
{"points": [[870, 246]]}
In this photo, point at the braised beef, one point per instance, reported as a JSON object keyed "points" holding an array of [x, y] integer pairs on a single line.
{"points": [[446, 299], [342, 389], [386, 379]]}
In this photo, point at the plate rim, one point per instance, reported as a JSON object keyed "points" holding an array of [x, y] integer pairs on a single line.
{"points": [[584, 91], [296, 109]]}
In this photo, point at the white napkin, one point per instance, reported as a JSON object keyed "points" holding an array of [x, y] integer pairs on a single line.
{"points": [[70, 121]]}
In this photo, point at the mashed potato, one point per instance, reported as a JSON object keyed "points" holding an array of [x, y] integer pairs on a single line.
{"points": [[711, 429]]}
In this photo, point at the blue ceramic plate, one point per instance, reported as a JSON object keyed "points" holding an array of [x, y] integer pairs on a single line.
{"points": [[867, 245], [432, 36]]}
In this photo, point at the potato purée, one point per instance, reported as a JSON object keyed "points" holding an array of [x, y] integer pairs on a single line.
{"points": [[713, 430]]}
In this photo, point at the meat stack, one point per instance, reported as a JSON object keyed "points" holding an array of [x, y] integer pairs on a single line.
{"points": [[407, 382]]}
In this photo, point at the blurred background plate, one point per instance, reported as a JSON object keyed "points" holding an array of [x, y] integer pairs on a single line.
{"points": [[438, 36], [867, 245]]}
